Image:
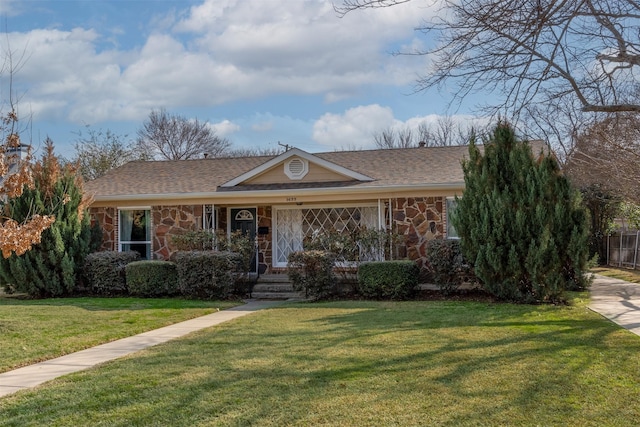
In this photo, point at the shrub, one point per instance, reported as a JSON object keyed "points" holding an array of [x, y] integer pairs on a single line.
{"points": [[206, 274], [447, 265], [53, 266], [104, 272], [199, 240], [152, 278], [388, 279], [312, 272], [207, 240], [520, 222], [360, 244]]}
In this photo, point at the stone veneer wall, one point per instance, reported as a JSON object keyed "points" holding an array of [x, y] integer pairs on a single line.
{"points": [[108, 220], [419, 219], [171, 220], [265, 251]]}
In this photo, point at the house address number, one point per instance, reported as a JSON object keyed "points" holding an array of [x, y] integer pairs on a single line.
{"points": [[291, 199]]}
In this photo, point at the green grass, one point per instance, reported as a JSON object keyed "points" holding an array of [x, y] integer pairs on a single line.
{"points": [[359, 364], [36, 330], [619, 273]]}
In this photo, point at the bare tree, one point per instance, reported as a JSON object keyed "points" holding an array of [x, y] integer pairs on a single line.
{"points": [[533, 52], [98, 151], [608, 155], [253, 152], [395, 138], [165, 136], [445, 131]]}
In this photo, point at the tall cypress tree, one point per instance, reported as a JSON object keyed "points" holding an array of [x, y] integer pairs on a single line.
{"points": [[50, 268], [520, 222]]}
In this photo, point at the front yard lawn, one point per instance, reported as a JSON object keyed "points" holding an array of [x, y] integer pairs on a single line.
{"points": [[363, 363], [35, 330]]}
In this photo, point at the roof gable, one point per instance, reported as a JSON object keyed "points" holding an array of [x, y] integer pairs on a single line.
{"points": [[331, 168]]}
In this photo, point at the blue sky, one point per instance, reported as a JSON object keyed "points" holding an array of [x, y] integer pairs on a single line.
{"points": [[259, 71]]}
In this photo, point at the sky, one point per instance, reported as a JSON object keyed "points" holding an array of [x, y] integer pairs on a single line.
{"points": [[259, 71]]}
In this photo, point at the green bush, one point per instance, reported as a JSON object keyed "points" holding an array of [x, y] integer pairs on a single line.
{"points": [[104, 272], [206, 274], [52, 267], [520, 222], [388, 279], [152, 278], [312, 272], [447, 265], [195, 240]]}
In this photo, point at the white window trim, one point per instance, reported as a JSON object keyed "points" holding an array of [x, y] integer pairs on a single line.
{"points": [[129, 242], [274, 236], [446, 213]]}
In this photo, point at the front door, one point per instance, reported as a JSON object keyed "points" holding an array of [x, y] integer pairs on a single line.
{"points": [[244, 220]]}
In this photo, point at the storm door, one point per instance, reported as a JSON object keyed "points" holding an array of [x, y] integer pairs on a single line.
{"points": [[244, 220]]}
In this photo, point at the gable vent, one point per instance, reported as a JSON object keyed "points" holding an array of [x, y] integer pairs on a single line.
{"points": [[296, 168]]}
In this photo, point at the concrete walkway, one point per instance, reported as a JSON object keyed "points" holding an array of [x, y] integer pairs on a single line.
{"points": [[33, 375], [618, 301]]}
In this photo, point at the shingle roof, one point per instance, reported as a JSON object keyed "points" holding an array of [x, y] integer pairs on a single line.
{"points": [[388, 168]]}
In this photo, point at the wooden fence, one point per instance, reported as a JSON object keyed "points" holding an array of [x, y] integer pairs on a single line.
{"points": [[622, 249]]}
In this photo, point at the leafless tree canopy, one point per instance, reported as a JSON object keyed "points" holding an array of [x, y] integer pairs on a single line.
{"points": [[165, 136], [608, 154], [445, 131], [534, 51], [253, 152], [97, 152]]}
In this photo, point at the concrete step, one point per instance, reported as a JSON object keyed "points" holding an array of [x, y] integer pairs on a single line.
{"points": [[273, 278], [273, 287], [277, 295]]}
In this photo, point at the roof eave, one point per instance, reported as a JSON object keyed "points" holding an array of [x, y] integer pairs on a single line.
{"points": [[266, 193]]}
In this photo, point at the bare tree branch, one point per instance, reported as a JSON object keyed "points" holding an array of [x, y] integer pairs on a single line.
{"points": [[533, 52], [167, 136]]}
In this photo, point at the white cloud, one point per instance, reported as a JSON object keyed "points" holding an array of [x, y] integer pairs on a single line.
{"points": [[225, 128], [353, 128], [219, 51], [262, 126], [357, 126]]}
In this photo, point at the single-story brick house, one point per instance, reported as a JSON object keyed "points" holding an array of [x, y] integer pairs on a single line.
{"points": [[280, 199]]}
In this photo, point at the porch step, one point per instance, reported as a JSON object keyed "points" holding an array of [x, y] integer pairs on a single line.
{"points": [[273, 278], [275, 286], [272, 287]]}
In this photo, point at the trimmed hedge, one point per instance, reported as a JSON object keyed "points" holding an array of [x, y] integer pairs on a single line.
{"points": [[312, 272], [152, 278], [104, 272], [206, 274], [447, 265], [388, 279]]}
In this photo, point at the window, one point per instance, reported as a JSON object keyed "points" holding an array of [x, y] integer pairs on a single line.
{"points": [[451, 230], [135, 231], [294, 226]]}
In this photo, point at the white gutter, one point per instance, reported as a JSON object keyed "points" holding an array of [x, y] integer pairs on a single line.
{"points": [[266, 193]]}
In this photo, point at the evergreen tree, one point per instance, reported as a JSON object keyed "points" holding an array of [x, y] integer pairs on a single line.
{"points": [[520, 222], [51, 267]]}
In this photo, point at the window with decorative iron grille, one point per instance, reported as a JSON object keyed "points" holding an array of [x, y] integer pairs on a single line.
{"points": [[295, 226]]}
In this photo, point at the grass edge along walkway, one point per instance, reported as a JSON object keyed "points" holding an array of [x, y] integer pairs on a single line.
{"points": [[33, 375]]}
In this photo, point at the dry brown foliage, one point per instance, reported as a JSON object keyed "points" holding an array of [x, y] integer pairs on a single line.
{"points": [[17, 237]]}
